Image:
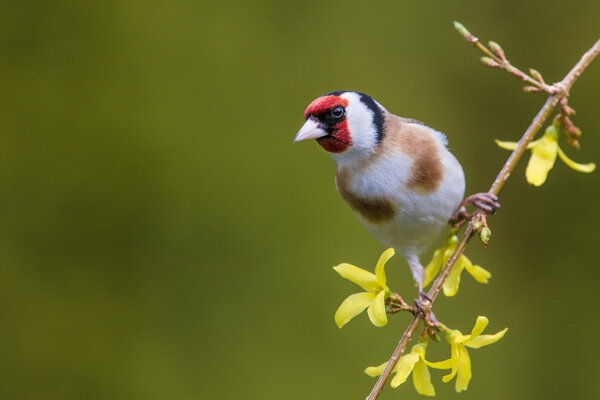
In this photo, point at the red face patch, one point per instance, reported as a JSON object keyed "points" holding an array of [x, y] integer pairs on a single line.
{"points": [[339, 139], [324, 104]]}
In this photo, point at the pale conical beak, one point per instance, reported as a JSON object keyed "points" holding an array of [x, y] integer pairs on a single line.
{"points": [[310, 130]]}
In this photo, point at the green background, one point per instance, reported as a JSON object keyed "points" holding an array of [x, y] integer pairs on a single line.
{"points": [[162, 238]]}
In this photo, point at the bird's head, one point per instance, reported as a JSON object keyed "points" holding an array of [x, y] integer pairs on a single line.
{"points": [[344, 123]]}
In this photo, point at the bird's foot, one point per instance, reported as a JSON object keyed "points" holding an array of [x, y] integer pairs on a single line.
{"points": [[423, 307], [485, 202], [422, 303]]}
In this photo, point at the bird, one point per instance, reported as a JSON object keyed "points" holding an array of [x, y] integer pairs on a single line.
{"points": [[396, 174]]}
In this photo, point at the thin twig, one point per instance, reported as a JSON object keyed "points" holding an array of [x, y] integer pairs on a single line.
{"points": [[563, 88], [495, 58]]}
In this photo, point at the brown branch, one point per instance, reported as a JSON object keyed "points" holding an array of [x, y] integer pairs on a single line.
{"points": [[562, 92]]}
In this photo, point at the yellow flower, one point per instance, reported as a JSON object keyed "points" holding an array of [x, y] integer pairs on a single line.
{"points": [[459, 362], [374, 296], [412, 362], [441, 256], [543, 156]]}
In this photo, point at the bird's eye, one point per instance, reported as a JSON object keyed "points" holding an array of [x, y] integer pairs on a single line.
{"points": [[337, 112]]}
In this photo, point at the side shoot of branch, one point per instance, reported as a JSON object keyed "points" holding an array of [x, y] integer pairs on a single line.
{"points": [[558, 94]]}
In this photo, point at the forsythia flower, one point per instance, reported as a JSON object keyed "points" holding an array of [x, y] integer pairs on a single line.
{"points": [[374, 296], [543, 156], [459, 362], [441, 256], [412, 362]]}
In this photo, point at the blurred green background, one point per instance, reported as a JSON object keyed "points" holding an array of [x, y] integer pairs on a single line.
{"points": [[161, 237]]}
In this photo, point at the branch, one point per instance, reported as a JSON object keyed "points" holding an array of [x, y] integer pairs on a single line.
{"points": [[558, 92]]}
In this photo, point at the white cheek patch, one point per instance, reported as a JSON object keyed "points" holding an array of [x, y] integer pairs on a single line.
{"points": [[360, 124]]}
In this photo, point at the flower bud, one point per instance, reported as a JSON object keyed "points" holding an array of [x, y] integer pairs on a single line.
{"points": [[468, 36], [497, 50], [489, 62], [485, 235], [536, 75]]}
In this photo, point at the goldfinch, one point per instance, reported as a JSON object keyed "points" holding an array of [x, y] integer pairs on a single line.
{"points": [[395, 173]]}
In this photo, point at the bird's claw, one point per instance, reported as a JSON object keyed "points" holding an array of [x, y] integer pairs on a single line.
{"points": [[423, 307], [423, 303], [486, 202]]}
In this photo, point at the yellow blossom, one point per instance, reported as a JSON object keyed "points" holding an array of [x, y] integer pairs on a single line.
{"points": [[440, 258], [412, 362], [543, 156], [459, 362], [373, 297]]}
